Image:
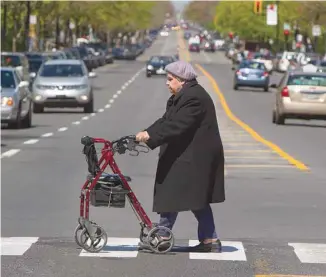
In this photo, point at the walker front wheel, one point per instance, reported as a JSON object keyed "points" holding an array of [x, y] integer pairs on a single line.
{"points": [[92, 243], [156, 243]]}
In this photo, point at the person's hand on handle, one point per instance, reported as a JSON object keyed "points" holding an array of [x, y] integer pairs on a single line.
{"points": [[142, 136]]}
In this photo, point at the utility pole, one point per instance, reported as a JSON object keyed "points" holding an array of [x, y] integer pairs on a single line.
{"points": [[28, 13], [278, 28]]}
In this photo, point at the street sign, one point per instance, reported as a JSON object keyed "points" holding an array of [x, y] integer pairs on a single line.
{"points": [[271, 18], [286, 26], [72, 25], [316, 31], [32, 19]]}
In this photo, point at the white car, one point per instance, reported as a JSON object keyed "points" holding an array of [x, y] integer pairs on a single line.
{"points": [[164, 34], [284, 62], [268, 63]]}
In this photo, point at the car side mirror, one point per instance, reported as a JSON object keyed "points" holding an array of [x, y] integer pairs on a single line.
{"points": [[92, 74], [273, 86], [23, 84], [233, 68]]}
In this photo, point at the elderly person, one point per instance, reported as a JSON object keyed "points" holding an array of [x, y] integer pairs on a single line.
{"points": [[190, 171]]}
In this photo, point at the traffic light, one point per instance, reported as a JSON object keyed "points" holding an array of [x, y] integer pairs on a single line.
{"points": [[258, 6]]}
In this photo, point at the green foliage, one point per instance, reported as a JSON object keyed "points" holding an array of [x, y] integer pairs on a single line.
{"points": [[125, 16]]}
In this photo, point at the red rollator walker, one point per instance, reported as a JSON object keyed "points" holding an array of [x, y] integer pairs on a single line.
{"points": [[103, 189]]}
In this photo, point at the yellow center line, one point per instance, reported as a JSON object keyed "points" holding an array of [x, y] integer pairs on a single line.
{"points": [[247, 128], [273, 275]]}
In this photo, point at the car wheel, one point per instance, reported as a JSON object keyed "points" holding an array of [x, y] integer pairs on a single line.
{"points": [[17, 124], [27, 121], [89, 107], [235, 87], [148, 75], [37, 108], [266, 89], [274, 116], [279, 118]]}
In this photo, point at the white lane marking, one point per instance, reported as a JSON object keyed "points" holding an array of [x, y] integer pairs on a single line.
{"points": [[115, 95], [111, 101], [46, 135], [93, 114], [123, 87], [16, 246], [126, 84], [116, 247], [101, 110], [231, 251], [119, 92], [62, 129], [107, 106], [76, 122], [313, 253], [85, 118], [10, 153], [30, 141]]}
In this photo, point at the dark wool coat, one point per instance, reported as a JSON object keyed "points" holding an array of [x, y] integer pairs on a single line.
{"points": [[190, 170]]}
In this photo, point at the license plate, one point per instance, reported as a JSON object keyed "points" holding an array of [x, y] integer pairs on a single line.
{"points": [[160, 71], [311, 96], [252, 76], [60, 96]]}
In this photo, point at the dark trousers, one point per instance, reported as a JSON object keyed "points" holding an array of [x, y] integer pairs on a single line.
{"points": [[206, 225]]}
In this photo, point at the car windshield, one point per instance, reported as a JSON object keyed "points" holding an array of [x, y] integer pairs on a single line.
{"points": [[7, 79], [307, 80], [61, 70], [34, 65], [159, 59], [10, 60], [252, 65]]}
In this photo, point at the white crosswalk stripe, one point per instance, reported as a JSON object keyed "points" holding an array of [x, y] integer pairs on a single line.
{"points": [[16, 246], [310, 252], [117, 247], [231, 251]]}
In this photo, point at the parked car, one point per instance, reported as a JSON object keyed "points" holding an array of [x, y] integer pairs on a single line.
{"points": [[18, 61], [16, 104]]}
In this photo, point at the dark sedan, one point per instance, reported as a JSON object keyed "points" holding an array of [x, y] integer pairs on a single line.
{"points": [[156, 65]]}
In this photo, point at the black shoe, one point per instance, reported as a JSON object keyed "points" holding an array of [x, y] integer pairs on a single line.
{"points": [[214, 247]]}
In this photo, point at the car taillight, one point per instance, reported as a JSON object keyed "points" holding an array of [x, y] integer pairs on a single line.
{"points": [[238, 72], [285, 92], [265, 74]]}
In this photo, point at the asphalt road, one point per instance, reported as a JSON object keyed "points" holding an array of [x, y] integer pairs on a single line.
{"points": [[272, 223]]}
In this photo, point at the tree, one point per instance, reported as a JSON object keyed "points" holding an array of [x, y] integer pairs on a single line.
{"points": [[202, 12], [55, 16]]}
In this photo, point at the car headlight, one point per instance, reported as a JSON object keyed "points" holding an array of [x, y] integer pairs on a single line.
{"points": [[150, 67], [7, 101]]}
